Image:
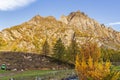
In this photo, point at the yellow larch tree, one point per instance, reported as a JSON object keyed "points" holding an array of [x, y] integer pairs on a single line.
{"points": [[88, 63]]}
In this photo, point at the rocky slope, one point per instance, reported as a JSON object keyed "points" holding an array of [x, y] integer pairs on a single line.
{"points": [[26, 61], [105, 36], [30, 36]]}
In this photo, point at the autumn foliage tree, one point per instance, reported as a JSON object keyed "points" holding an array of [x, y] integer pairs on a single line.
{"points": [[88, 63]]}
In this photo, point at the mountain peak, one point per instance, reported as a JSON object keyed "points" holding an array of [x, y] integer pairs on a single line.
{"points": [[35, 19], [77, 13], [50, 17], [73, 16]]}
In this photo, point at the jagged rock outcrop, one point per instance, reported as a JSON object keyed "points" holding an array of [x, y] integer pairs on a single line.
{"points": [[106, 36], [30, 36]]}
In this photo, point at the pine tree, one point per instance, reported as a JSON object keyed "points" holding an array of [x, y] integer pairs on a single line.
{"points": [[45, 48], [59, 49]]}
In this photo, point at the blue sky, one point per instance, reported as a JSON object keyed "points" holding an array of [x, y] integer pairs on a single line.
{"points": [[14, 13]]}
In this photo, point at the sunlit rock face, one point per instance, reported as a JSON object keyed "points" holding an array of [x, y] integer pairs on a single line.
{"points": [[105, 36]]}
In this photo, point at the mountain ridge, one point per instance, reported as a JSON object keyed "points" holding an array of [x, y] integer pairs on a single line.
{"points": [[91, 26], [30, 36]]}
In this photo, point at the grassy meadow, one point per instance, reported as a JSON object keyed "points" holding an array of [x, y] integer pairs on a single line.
{"points": [[32, 74]]}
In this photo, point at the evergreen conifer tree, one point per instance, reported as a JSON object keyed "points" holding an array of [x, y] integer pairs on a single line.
{"points": [[45, 48], [59, 49]]}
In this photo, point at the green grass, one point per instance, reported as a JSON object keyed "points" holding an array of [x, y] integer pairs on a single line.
{"points": [[31, 73], [116, 68], [3, 71]]}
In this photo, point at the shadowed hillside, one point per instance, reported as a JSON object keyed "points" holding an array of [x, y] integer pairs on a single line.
{"points": [[25, 61]]}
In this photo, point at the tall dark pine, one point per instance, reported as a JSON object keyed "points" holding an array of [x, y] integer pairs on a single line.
{"points": [[59, 49], [45, 48]]}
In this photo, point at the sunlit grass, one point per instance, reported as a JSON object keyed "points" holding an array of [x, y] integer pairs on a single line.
{"points": [[32, 74], [3, 71], [116, 68], [25, 74]]}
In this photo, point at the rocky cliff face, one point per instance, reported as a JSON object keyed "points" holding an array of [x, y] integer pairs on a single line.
{"points": [[106, 36], [30, 36]]}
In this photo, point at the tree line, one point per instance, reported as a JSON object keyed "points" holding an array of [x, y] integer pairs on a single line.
{"points": [[60, 51], [68, 53]]}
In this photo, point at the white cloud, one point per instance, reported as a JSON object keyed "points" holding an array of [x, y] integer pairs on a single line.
{"points": [[13, 4], [115, 23]]}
